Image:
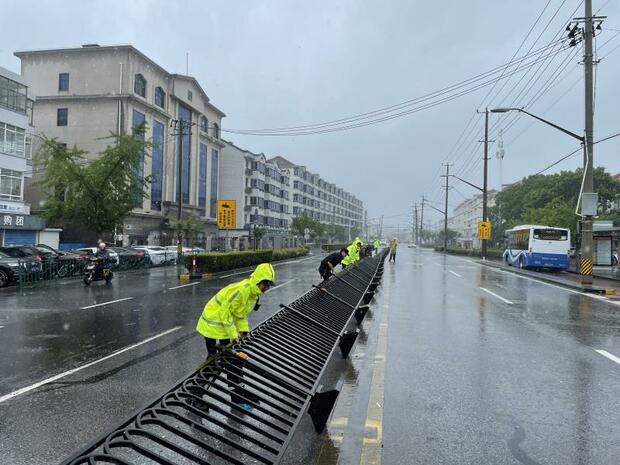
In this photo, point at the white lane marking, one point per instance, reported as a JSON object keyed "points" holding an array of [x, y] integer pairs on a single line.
{"points": [[495, 295], [283, 284], [557, 286], [183, 285], [612, 357], [455, 273], [105, 303], [90, 364], [438, 264], [250, 271], [1, 327]]}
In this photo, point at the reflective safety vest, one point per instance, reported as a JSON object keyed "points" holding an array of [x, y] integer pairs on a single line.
{"points": [[377, 244], [354, 254], [225, 315]]}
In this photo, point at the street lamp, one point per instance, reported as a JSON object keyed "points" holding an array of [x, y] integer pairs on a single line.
{"points": [[586, 229]]}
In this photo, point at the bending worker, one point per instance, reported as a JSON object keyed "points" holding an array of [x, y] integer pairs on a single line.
{"points": [[353, 253], [224, 320], [326, 269]]}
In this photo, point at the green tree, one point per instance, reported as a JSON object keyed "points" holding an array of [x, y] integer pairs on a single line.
{"points": [[300, 223], [190, 225], [549, 200], [95, 194]]}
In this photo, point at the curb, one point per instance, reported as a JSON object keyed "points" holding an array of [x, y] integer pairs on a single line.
{"points": [[575, 287]]}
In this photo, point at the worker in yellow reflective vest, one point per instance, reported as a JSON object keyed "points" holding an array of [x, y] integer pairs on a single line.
{"points": [[353, 253], [377, 245], [224, 319]]}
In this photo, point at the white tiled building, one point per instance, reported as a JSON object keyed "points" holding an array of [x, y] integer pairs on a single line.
{"points": [[465, 218], [85, 93], [17, 225]]}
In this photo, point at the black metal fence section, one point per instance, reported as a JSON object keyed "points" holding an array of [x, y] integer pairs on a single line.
{"points": [[276, 369]]}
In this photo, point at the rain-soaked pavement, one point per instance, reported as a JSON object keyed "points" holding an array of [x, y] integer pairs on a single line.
{"points": [[456, 363]]}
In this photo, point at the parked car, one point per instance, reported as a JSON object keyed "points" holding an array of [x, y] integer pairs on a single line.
{"points": [[25, 251], [92, 250], [9, 267], [158, 255], [64, 263], [129, 258]]}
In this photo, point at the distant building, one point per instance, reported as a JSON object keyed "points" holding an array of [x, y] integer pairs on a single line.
{"points": [[85, 93], [465, 218], [321, 200], [17, 225], [262, 193]]}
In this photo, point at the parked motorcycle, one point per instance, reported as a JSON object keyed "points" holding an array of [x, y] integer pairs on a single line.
{"points": [[98, 269]]}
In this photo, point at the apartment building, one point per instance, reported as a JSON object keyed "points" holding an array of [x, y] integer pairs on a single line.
{"points": [[85, 93], [465, 218], [262, 192], [321, 200], [17, 225]]}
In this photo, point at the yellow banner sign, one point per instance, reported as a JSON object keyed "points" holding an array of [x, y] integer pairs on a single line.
{"points": [[484, 230], [227, 214]]}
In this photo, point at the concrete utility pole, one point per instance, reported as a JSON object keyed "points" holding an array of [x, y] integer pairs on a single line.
{"points": [[445, 211], [180, 128], [421, 238], [485, 180], [588, 162], [414, 232]]}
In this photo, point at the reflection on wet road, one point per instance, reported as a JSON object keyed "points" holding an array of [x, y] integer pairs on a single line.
{"points": [[456, 363]]}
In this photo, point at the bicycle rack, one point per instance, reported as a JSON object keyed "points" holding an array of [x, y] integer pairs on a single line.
{"points": [[276, 369]]}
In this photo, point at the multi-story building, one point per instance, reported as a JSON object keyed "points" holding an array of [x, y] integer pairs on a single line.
{"points": [[321, 200], [465, 218], [84, 94], [271, 192], [262, 192], [17, 225]]}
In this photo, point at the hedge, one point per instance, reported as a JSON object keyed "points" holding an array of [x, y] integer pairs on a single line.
{"points": [[491, 253], [333, 247], [221, 261]]}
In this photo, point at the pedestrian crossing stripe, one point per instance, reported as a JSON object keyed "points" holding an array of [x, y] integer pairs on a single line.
{"points": [[586, 267]]}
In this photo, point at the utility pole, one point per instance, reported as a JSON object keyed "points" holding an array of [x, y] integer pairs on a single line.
{"points": [[421, 237], [485, 179], [588, 162], [414, 232], [445, 211], [180, 128]]}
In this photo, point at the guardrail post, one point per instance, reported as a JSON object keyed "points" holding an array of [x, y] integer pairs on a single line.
{"points": [[360, 313], [346, 342], [20, 274], [321, 406]]}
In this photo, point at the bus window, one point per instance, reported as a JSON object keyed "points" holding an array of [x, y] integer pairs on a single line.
{"points": [[550, 234]]}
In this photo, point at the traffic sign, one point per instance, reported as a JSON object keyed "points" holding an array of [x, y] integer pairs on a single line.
{"points": [[484, 230], [227, 214]]}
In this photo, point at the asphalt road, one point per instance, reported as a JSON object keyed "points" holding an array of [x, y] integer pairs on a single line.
{"points": [[456, 363]]}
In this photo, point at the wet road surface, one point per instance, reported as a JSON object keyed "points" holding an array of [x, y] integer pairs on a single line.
{"points": [[456, 363]]}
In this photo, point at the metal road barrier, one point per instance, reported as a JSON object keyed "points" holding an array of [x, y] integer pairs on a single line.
{"points": [[276, 369]]}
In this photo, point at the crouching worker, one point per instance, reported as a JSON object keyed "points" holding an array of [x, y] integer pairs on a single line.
{"points": [[326, 269], [224, 320]]}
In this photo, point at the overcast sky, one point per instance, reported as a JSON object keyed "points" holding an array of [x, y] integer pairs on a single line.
{"points": [[287, 63]]}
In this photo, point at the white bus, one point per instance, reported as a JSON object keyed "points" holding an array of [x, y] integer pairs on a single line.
{"points": [[534, 246]]}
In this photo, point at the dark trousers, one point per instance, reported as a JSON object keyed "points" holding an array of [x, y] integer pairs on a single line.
{"points": [[234, 379], [325, 272], [392, 256]]}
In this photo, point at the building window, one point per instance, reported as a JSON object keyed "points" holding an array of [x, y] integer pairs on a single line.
{"points": [[157, 171], [216, 130], [202, 180], [13, 95], [62, 116], [63, 82], [214, 174], [138, 120], [189, 95], [139, 85], [204, 124], [185, 115], [10, 184], [160, 97], [13, 141]]}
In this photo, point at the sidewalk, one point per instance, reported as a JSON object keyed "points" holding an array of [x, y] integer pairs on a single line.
{"points": [[571, 280]]}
